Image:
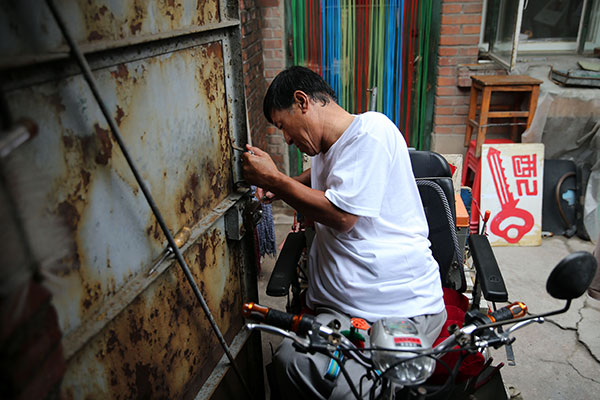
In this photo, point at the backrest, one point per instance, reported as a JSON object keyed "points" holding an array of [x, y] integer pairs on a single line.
{"points": [[434, 181]]}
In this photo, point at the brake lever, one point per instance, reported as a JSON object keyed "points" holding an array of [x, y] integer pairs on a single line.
{"points": [[305, 343], [522, 324], [503, 338]]}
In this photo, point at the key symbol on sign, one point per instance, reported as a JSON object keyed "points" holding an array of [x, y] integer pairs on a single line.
{"points": [[512, 231]]}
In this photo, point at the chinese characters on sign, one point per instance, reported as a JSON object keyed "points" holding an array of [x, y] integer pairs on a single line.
{"points": [[511, 188]]}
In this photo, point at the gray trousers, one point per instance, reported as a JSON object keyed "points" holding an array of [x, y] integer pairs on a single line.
{"points": [[303, 375]]}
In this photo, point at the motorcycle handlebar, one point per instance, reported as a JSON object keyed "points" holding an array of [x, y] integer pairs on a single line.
{"points": [[299, 324], [515, 310]]}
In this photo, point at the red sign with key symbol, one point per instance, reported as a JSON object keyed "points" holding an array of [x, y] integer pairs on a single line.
{"points": [[511, 190]]}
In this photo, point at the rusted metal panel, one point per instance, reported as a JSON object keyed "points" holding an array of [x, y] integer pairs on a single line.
{"points": [[179, 104], [26, 26], [161, 347], [172, 110]]}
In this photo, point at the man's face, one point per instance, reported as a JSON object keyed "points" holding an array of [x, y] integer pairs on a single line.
{"points": [[295, 127]]}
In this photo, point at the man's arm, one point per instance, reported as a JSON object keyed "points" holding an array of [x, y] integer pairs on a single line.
{"points": [[260, 170], [267, 197], [304, 178]]}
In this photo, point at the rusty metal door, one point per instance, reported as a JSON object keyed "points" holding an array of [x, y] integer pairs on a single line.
{"points": [[170, 72]]}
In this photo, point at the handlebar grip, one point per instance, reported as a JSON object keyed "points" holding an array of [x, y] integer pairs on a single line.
{"points": [[515, 310], [300, 324]]}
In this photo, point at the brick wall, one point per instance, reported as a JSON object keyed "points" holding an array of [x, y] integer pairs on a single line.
{"points": [[263, 57], [460, 28], [253, 67], [274, 59]]}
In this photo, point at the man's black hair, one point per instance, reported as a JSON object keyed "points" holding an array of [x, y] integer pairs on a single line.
{"points": [[280, 94]]}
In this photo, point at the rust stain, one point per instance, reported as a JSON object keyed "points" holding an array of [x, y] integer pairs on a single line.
{"points": [[71, 190], [207, 11], [100, 23], [105, 152], [137, 17], [190, 194], [55, 100], [155, 230], [85, 177], [91, 294], [122, 73], [119, 116], [95, 35], [67, 141], [134, 28], [70, 214], [173, 10]]}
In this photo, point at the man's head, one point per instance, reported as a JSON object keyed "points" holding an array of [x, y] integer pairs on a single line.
{"points": [[280, 95]]}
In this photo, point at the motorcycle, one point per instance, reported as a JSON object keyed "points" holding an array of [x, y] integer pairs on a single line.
{"points": [[400, 363]]}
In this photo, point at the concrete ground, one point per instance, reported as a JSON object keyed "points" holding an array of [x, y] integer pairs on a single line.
{"points": [[559, 359]]}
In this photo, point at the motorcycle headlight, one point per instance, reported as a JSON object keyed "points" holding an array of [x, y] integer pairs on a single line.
{"points": [[401, 367]]}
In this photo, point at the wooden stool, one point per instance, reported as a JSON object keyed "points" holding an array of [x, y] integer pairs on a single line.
{"points": [[487, 84]]}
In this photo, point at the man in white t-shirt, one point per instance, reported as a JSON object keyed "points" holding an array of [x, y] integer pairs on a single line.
{"points": [[370, 257]]}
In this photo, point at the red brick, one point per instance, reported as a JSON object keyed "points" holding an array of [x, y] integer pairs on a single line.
{"points": [[271, 12], [448, 51], [443, 129], [465, 60], [461, 19], [446, 71], [273, 23], [469, 51], [472, 8], [446, 81], [448, 61], [471, 29], [449, 120], [444, 110], [450, 29], [451, 8], [445, 101], [461, 110], [273, 44], [447, 91], [459, 40]]}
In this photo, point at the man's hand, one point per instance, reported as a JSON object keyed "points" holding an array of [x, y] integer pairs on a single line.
{"points": [[265, 196], [259, 169]]}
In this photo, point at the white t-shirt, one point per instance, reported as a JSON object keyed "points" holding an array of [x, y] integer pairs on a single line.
{"points": [[383, 266]]}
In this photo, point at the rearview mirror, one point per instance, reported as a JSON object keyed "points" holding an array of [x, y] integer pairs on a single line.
{"points": [[572, 276]]}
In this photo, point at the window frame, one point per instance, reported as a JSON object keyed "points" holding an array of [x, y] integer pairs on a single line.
{"points": [[535, 46]]}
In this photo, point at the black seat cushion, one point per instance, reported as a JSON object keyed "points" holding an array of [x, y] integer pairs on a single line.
{"points": [[426, 164]]}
